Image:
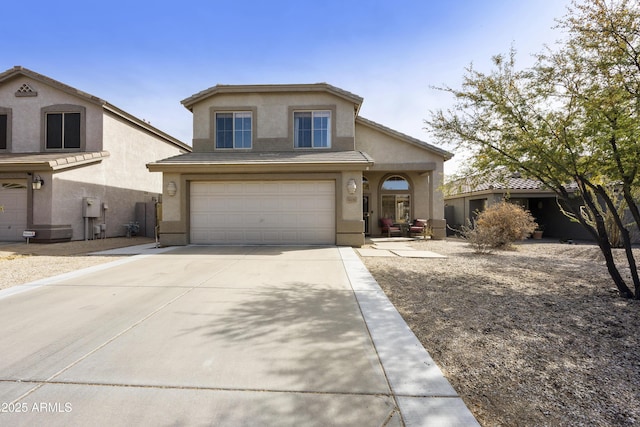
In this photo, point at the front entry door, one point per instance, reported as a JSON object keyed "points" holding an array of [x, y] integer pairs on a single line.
{"points": [[366, 213]]}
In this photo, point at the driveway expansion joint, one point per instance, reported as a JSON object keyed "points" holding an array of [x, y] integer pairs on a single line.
{"points": [[186, 387]]}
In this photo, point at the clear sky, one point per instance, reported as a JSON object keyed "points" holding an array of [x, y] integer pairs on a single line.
{"points": [[146, 56]]}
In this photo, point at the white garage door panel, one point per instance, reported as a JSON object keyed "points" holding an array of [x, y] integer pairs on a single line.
{"points": [[270, 212], [13, 209]]}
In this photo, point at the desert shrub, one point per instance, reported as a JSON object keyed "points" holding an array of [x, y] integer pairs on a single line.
{"points": [[498, 227]]}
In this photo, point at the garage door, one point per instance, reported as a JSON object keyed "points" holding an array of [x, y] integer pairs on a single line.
{"points": [[13, 209], [263, 212]]}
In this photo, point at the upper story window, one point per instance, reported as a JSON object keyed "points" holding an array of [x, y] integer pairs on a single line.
{"points": [[63, 127], [233, 130], [63, 130], [312, 129], [4, 131]]}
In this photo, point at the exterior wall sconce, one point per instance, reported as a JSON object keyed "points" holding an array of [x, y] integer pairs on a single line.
{"points": [[172, 189], [351, 186], [37, 182]]}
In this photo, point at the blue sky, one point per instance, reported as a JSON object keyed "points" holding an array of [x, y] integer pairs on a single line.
{"points": [[146, 56]]}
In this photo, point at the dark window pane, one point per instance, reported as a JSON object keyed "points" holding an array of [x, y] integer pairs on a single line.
{"points": [[3, 132], [72, 130], [224, 130], [54, 130], [302, 129]]}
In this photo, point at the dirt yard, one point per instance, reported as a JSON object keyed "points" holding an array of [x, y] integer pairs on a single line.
{"points": [[535, 336], [22, 263]]}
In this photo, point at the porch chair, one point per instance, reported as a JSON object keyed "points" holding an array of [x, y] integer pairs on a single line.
{"points": [[387, 227], [418, 226]]}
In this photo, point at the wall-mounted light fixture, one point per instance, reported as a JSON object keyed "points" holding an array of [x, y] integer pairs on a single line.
{"points": [[172, 188], [352, 186], [37, 182]]}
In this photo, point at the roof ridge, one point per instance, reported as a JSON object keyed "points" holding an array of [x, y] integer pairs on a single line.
{"points": [[269, 87]]}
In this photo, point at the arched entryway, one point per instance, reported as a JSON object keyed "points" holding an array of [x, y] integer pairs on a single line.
{"points": [[395, 198]]}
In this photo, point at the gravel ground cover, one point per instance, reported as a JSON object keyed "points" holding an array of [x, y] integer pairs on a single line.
{"points": [[534, 336], [21, 263]]}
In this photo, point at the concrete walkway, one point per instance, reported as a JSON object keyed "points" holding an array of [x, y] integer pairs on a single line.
{"points": [[223, 336], [393, 247]]}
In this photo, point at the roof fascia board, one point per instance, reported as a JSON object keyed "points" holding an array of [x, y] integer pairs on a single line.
{"points": [[54, 165], [273, 88], [501, 192], [18, 70], [422, 167], [256, 167]]}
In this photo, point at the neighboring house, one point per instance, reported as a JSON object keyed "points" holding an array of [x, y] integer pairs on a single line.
{"points": [[294, 164], [72, 166], [464, 198]]}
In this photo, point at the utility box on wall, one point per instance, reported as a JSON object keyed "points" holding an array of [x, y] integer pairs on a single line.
{"points": [[90, 207]]}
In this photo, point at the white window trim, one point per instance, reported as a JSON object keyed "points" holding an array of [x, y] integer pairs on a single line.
{"points": [[233, 131], [313, 144]]}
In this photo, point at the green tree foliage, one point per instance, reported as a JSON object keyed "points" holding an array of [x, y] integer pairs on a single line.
{"points": [[571, 119]]}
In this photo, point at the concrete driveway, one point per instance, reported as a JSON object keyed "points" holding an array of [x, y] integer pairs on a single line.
{"points": [[223, 336]]}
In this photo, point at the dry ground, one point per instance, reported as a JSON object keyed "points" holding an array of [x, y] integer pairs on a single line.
{"points": [[534, 336], [22, 263]]}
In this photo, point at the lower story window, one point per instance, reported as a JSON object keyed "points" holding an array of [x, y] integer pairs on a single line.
{"points": [[396, 206], [63, 130], [396, 199]]}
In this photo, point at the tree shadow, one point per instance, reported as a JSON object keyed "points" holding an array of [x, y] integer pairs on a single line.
{"points": [[301, 339]]}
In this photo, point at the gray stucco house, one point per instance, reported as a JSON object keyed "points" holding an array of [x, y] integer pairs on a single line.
{"points": [[294, 164], [465, 197], [72, 166]]}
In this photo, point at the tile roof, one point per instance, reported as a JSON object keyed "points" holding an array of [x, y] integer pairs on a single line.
{"points": [[241, 158], [48, 161], [499, 181]]}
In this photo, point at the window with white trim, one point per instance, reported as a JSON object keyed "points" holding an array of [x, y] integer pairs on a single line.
{"points": [[63, 130], [312, 129], [233, 130]]}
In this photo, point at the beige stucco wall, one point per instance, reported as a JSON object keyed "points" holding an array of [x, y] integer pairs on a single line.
{"points": [[120, 180], [386, 149], [26, 112], [394, 156], [272, 120]]}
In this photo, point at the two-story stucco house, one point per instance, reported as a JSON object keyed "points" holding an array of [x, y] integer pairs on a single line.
{"points": [[294, 164], [72, 165]]}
